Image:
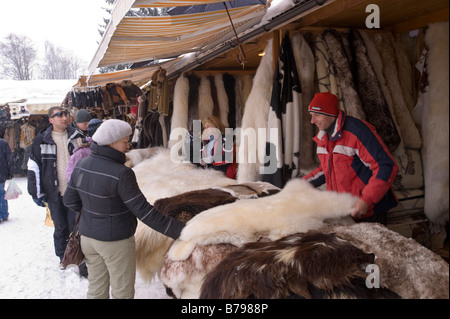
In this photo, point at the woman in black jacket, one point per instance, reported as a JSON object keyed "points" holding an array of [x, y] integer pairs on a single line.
{"points": [[107, 193]]}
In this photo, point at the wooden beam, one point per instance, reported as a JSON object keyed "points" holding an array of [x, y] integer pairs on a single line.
{"points": [[421, 21], [329, 9], [213, 72]]}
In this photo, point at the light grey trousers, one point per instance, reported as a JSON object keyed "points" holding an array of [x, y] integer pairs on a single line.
{"points": [[110, 264]]}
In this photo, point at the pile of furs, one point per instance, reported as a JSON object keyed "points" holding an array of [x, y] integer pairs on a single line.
{"points": [[253, 240]]}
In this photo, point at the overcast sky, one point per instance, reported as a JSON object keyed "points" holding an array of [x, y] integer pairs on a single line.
{"points": [[69, 24]]}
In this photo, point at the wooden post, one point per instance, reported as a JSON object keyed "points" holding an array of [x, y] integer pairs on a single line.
{"points": [[275, 47]]}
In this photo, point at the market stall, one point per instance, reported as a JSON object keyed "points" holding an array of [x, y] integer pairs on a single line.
{"points": [[389, 74]]}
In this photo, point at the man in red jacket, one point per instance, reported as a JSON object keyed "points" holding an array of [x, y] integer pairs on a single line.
{"points": [[353, 159]]}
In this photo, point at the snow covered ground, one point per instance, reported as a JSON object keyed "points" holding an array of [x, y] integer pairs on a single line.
{"points": [[28, 265]]}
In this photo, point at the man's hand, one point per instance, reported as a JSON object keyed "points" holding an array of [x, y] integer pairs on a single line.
{"points": [[360, 209], [40, 201]]}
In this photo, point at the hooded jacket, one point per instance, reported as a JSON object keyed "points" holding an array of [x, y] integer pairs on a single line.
{"points": [[42, 173], [355, 160], [107, 193], [81, 151]]}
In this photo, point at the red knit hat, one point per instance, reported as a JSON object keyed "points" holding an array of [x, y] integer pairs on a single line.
{"points": [[324, 103]]}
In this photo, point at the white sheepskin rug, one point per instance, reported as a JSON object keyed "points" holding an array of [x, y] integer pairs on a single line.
{"points": [[298, 207], [159, 176]]}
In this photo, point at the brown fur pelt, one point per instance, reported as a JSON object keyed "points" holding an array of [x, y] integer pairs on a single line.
{"points": [[352, 102], [330, 263], [405, 68], [184, 278], [306, 265], [185, 206], [406, 267], [372, 98], [326, 74]]}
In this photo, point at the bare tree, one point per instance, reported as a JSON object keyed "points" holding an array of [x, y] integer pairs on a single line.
{"points": [[59, 64], [17, 57]]}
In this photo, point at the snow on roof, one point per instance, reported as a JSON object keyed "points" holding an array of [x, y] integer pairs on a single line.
{"points": [[35, 91]]}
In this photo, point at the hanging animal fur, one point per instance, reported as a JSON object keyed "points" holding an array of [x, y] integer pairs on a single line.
{"points": [[352, 102], [372, 98], [435, 129], [255, 117], [304, 60], [180, 105], [194, 84], [205, 102], [326, 75], [408, 131], [222, 99], [284, 117]]}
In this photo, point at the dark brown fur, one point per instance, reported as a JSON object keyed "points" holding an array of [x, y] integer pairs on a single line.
{"points": [[185, 206], [372, 98], [352, 101], [311, 265]]}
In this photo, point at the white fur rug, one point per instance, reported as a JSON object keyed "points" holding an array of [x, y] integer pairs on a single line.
{"points": [[298, 207], [160, 176]]}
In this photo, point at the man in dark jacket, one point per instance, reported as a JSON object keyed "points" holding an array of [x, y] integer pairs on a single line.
{"points": [[5, 174], [108, 196], [49, 155], [81, 122]]}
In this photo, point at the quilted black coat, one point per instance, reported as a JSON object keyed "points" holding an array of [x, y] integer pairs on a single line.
{"points": [[110, 199]]}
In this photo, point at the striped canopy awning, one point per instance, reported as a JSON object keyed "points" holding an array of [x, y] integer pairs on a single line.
{"points": [[131, 39], [135, 75]]}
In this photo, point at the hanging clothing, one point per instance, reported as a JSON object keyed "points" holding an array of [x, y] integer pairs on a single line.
{"points": [[27, 134], [284, 117], [158, 95]]}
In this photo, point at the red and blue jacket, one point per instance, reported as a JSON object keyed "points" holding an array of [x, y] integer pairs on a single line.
{"points": [[355, 160]]}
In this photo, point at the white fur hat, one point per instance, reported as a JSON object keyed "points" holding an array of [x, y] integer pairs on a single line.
{"points": [[111, 131]]}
